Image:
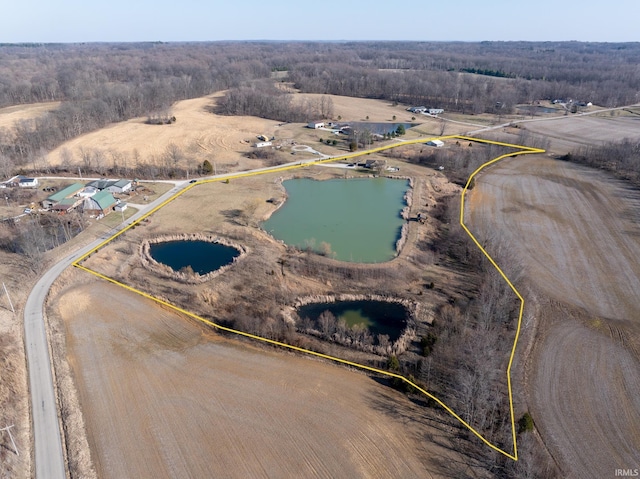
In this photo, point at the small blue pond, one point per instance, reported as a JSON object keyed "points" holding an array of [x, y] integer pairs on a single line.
{"points": [[202, 256]]}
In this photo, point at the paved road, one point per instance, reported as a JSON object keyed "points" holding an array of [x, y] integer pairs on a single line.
{"points": [[49, 458]]}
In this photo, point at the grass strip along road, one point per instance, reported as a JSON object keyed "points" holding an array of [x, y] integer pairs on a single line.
{"points": [[520, 150]]}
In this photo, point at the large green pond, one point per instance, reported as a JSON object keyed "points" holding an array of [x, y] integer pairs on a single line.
{"points": [[358, 218]]}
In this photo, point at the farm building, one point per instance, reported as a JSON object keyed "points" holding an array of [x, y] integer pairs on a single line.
{"points": [[315, 124], [100, 203], [436, 143], [435, 111], [120, 206], [69, 194], [417, 109], [120, 186], [66, 204], [113, 186], [262, 144], [88, 191]]}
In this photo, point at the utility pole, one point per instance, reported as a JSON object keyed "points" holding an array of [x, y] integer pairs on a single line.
{"points": [[79, 173], [8, 297], [8, 429]]}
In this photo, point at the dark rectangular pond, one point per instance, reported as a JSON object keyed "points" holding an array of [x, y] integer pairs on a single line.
{"points": [[379, 317]]}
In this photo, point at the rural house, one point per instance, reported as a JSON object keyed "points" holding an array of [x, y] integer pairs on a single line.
{"points": [[21, 181], [28, 183], [100, 184], [113, 186]]}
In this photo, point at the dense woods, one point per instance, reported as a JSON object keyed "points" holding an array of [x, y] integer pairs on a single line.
{"points": [[104, 83]]}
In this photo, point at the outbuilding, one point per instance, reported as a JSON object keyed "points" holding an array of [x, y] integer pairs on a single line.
{"points": [[436, 143], [70, 193], [120, 186], [262, 144], [315, 125], [100, 203]]}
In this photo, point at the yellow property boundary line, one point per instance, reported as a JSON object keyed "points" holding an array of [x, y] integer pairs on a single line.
{"points": [[522, 151]]}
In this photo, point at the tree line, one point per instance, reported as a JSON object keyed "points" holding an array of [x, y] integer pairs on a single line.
{"points": [[621, 158], [100, 84]]}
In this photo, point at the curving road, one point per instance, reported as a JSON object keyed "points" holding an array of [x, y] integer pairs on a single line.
{"points": [[48, 453], [49, 457]]}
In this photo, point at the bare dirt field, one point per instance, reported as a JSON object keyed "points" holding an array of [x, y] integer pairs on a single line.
{"points": [[12, 114], [205, 406], [570, 133], [577, 232]]}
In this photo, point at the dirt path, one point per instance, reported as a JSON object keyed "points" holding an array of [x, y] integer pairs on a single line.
{"points": [[162, 398], [577, 232]]}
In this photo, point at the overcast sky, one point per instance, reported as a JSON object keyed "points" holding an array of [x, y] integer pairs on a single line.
{"points": [[202, 20]]}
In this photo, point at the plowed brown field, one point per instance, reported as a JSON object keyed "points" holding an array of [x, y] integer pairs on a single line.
{"points": [[578, 233], [162, 397]]}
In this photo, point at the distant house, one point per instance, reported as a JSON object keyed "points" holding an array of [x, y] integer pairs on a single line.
{"points": [[315, 125], [70, 194], [120, 206], [102, 202], [113, 186], [21, 181], [100, 184], [374, 164], [417, 109], [120, 186], [435, 111], [436, 143], [28, 182], [262, 144]]}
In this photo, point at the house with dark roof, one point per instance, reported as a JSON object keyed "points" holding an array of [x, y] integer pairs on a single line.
{"points": [[101, 184], [102, 203], [21, 181], [28, 183]]}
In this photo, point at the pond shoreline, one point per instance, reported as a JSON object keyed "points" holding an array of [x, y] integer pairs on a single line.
{"points": [[149, 263]]}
